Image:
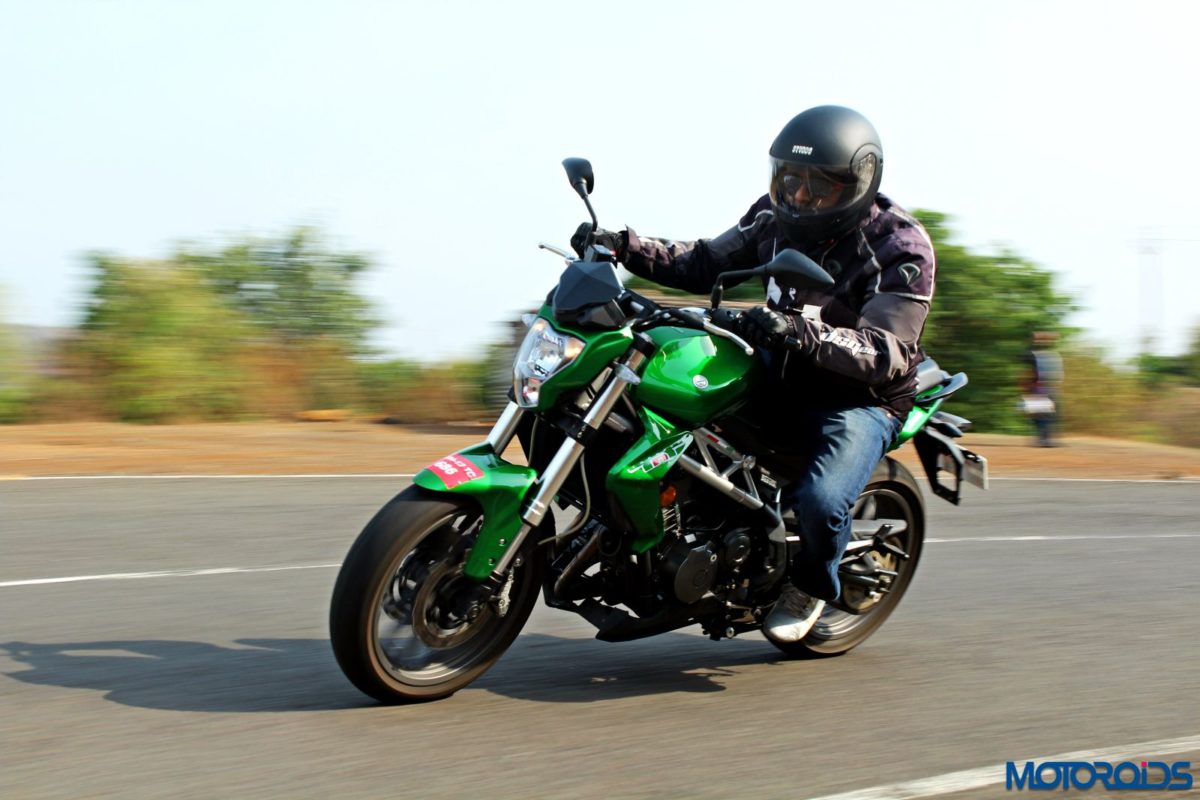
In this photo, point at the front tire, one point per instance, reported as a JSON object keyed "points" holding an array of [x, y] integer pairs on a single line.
{"points": [[891, 494], [392, 622]]}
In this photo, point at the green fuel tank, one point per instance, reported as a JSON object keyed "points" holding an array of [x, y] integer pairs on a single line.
{"points": [[695, 377]]}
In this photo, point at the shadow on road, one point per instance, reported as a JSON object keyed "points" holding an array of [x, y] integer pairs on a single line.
{"points": [[259, 675], [551, 669], [300, 674]]}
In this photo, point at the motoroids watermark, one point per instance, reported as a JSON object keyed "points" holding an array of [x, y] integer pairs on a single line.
{"points": [[1124, 775]]}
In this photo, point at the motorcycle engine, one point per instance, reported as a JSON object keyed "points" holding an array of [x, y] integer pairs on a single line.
{"points": [[691, 569], [694, 560]]}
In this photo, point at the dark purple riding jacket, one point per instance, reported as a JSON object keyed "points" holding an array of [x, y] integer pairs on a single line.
{"points": [[860, 339]]}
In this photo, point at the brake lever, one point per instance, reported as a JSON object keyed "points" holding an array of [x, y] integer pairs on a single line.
{"points": [[706, 325], [731, 336]]}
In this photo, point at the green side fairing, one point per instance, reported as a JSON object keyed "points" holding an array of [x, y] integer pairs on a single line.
{"points": [[499, 488], [636, 478], [600, 348]]}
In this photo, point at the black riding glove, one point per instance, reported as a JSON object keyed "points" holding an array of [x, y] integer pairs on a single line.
{"points": [[613, 240], [764, 328]]}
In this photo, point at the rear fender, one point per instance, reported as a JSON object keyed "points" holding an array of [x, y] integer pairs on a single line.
{"points": [[496, 485], [939, 453]]}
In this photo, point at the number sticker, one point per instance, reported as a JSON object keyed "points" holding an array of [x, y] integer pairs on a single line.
{"points": [[454, 470]]}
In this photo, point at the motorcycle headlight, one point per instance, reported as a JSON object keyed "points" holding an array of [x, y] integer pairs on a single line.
{"points": [[544, 352]]}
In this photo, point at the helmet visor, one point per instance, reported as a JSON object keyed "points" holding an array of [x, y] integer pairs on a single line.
{"points": [[807, 190]]}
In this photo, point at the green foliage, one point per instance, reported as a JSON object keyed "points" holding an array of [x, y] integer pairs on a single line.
{"points": [[256, 327], [1182, 370], [163, 346], [407, 392], [1160, 372], [985, 310], [1177, 417], [387, 386], [293, 286], [15, 379], [14, 375], [1099, 399], [1190, 361]]}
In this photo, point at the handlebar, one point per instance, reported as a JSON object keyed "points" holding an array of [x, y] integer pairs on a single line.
{"points": [[715, 323]]}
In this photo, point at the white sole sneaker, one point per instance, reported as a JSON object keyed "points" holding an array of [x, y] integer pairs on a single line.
{"points": [[793, 616]]}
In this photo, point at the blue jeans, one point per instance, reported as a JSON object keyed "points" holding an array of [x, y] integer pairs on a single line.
{"points": [[846, 445]]}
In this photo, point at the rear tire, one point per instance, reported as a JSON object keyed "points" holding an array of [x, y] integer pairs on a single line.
{"points": [[388, 621], [892, 493]]}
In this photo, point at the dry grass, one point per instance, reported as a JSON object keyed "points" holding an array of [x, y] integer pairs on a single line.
{"points": [[294, 448]]}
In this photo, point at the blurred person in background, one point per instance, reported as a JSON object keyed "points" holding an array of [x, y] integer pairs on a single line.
{"points": [[1041, 387], [841, 387]]}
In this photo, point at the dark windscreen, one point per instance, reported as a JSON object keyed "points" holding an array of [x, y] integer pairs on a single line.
{"points": [[587, 295]]}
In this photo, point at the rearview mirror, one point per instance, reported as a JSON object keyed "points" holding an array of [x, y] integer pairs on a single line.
{"points": [[579, 173], [794, 270]]}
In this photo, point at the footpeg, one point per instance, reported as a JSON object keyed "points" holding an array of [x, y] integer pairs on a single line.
{"points": [[860, 569]]}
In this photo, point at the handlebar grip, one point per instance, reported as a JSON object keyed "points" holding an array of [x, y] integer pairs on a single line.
{"points": [[688, 319], [726, 318]]}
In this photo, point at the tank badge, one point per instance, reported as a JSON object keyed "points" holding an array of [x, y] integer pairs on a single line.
{"points": [[700, 382]]}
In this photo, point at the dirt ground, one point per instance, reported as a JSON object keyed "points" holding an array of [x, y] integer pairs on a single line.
{"points": [[305, 448]]}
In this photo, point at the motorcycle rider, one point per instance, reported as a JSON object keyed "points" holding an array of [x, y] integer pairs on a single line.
{"points": [[843, 387]]}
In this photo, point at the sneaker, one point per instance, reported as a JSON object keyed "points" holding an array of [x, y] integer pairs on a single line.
{"points": [[793, 616]]}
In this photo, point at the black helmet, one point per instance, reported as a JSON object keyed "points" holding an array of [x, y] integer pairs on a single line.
{"points": [[826, 165]]}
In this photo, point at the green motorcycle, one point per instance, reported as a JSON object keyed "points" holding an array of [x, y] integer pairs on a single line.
{"points": [[638, 422]]}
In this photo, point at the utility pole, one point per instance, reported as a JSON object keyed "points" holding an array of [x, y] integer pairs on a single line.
{"points": [[1153, 249]]}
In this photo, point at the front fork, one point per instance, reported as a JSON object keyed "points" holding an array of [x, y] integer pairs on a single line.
{"points": [[625, 374]]}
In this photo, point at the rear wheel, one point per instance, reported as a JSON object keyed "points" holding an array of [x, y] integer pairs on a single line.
{"points": [[397, 621], [893, 498]]}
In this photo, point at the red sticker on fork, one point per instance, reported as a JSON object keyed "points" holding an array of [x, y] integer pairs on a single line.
{"points": [[454, 470]]}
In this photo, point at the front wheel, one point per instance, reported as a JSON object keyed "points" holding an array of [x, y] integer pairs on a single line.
{"points": [[890, 497], [396, 621]]}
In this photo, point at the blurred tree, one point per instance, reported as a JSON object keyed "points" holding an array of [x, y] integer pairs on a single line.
{"points": [[1101, 399], [985, 310], [15, 376], [1159, 372], [413, 393], [292, 286], [1189, 362], [162, 345]]}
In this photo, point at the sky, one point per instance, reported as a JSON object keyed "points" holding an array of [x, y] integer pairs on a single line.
{"points": [[429, 137]]}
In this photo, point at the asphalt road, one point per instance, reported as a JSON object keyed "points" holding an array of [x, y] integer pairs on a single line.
{"points": [[222, 684]]}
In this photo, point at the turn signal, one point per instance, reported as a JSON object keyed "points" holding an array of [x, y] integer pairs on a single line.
{"points": [[668, 496]]}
